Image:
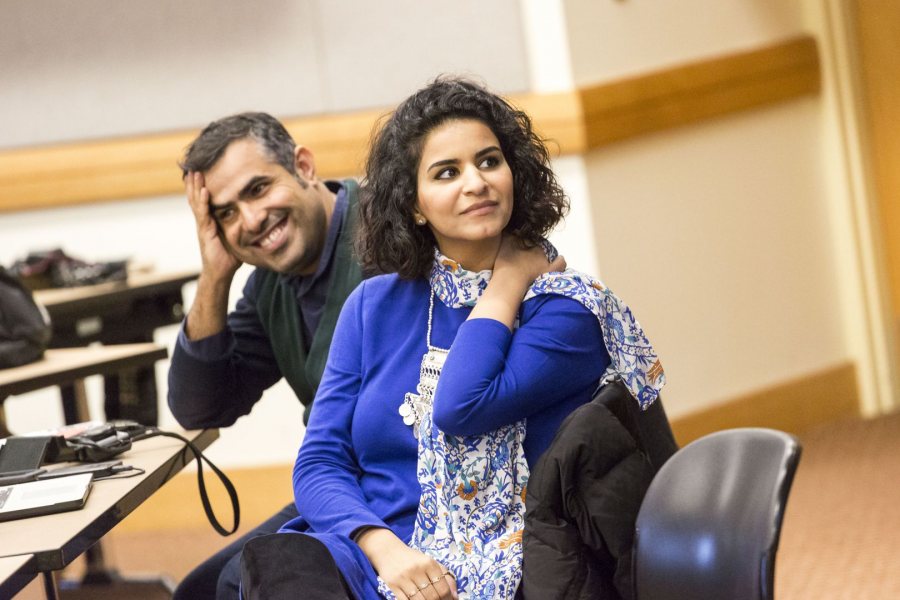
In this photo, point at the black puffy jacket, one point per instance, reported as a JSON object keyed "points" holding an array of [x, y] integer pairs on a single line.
{"points": [[584, 494]]}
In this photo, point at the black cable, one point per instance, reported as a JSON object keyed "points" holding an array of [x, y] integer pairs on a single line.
{"points": [[204, 497], [125, 473]]}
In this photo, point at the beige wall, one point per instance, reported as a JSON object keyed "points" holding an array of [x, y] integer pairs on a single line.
{"points": [[614, 39], [96, 68], [719, 237]]}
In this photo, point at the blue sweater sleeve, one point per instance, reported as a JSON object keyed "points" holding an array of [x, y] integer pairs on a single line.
{"points": [[493, 377], [326, 486], [215, 380]]}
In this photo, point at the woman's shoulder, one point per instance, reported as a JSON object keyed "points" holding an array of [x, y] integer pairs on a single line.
{"points": [[569, 295], [388, 283], [561, 289], [387, 288], [550, 305], [378, 282]]}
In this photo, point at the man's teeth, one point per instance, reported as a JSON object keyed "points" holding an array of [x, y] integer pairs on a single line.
{"points": [[273, 235]]}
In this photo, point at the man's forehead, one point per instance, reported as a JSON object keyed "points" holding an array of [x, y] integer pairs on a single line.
{"points": [[242, 161]]}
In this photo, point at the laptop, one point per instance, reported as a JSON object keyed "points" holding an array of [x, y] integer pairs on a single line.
{"points": [[44, 497]]}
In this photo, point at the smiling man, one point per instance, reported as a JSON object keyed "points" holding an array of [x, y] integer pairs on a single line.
{"points": [[257, 200]]}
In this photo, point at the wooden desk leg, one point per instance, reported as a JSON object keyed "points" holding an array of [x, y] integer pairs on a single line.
{"points": [[75, 405], [97, 570], [4, 430], [82, 413], [50, 589], [131, 394]]}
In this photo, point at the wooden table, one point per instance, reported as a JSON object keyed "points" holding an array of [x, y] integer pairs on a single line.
{"points": [[15, 573], [118, 312], [51, 542], [65, 366]]}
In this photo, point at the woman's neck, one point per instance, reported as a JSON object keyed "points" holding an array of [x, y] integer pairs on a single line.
{"points": [[473, 256]]}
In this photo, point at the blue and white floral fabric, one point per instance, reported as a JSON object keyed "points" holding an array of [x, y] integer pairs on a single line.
{"points": [[472, 508], [632, 358]]}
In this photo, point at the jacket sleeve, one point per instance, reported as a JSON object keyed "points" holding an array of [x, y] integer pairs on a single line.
{"points": [[326, 488], [493, 377], [217, 379]]}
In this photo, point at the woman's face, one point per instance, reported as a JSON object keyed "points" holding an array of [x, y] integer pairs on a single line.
{"points": [[465, 190]]}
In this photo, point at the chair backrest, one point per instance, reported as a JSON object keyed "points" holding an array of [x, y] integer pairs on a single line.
{"points": [[709, 524]]}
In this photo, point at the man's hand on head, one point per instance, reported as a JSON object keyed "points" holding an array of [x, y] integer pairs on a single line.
{"points": [[218, 262]]}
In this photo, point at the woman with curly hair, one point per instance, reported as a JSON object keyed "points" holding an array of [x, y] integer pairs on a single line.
{"points": [[413, 468]]}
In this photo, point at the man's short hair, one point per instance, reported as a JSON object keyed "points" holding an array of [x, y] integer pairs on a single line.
{"points": [[208, 147]]}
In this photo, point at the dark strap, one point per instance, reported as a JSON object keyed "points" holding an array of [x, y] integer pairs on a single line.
{"points": [[204, 497]]}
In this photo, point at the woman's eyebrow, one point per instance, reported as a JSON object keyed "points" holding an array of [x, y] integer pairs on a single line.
{"points": [[442, 163], [452, 161], [487, 150]]}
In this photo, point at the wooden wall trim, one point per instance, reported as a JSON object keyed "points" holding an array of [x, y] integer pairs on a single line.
{"points": [[577, 121], [792, 406], [630, 107]]}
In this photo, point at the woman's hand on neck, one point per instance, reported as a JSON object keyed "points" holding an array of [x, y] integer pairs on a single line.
{"points": [[515, 269], [474, 256]]}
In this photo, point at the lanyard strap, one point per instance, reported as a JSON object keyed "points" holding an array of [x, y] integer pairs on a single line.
{"points": [[204, 496]]}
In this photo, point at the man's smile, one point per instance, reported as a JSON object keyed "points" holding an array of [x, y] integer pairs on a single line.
{"points": [[273, 237]]}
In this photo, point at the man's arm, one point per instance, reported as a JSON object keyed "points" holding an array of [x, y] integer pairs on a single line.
{"points": [[216, 379], [221, 364]]}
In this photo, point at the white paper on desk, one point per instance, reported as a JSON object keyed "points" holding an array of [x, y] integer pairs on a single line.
{"points": [[44, 497]]}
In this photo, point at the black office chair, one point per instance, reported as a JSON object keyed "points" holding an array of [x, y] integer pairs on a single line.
{"points": [[709, 525]]}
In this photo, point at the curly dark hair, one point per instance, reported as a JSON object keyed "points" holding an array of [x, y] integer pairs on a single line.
{"points": [[388, 240], [206, 150]]}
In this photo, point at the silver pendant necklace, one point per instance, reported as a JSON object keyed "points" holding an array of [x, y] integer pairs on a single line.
{"points": [[416, 405]]}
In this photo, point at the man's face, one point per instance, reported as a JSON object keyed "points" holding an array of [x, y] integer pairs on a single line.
{"points": [[267, 216]]}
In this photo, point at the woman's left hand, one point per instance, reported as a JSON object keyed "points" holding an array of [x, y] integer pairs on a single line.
{"points": [[515, 269], [411, 574], [526, 264]]}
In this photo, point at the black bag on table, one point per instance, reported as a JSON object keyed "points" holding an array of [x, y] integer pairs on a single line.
{"points": [[24, 325]]}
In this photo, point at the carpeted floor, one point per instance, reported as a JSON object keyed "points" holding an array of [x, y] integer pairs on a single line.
{"points": [[841, 535], [840, 541]]}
